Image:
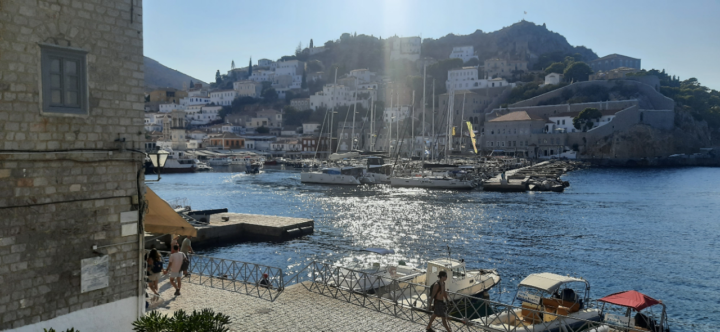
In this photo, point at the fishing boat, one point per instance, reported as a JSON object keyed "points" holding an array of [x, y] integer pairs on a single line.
{"points": [[546, 302], [203, 167], [350, 175], [632, 311]]}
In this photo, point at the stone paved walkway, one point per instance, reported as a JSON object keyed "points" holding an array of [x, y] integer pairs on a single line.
{"points": [[296, 309]]}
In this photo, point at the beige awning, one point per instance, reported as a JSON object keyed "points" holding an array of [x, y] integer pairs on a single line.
{"points": [[162, 219], [548, 282]]}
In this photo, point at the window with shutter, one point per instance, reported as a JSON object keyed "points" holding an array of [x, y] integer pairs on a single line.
{"points": [[64, 80]]}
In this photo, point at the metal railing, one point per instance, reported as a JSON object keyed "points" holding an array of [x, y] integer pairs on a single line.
{"points": [[235, 276], [408, 301]]}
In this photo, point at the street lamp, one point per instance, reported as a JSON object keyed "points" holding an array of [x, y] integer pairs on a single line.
{"points": [[158, 160]]}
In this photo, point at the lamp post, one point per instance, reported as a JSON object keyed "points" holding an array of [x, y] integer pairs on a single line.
{"points": [[158, 159]]}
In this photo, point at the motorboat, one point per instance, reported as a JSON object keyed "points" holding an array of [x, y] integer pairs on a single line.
{"points": [[632, 311], [546, 302], [334, 175], [175, 165], [399, 282], [252, 168], [203, 167]]}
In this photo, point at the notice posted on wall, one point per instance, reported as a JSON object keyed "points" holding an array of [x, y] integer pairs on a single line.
{"points": [[94, 273]]}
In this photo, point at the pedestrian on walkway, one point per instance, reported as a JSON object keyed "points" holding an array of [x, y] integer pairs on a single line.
{"points": [[176, 261], [155, 267], [174, 242], [438, 294], [187, 249]]}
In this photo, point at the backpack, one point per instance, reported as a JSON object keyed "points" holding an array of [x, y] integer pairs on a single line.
{"points": [[185, 263], [430, 295], [157, 266]]}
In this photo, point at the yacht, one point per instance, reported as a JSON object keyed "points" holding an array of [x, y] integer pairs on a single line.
{"points": [[546, 302], [221, 161], [433, 181], [177, 162], [378, 171], [334, 175]]}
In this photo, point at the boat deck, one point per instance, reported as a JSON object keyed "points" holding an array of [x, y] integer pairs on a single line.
{"points": [[229, 227]]}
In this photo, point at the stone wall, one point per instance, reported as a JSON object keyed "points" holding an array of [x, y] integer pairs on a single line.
{"points": [[65, 180]]}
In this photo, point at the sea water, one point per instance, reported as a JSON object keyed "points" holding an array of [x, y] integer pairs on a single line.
{"points": [[652, 230]]}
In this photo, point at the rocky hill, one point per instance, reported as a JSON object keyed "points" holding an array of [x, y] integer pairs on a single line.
{"points": [[159, 76], [513, 41]]}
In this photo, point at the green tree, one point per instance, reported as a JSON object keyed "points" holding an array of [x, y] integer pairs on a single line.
{"points": [[577, 72], [311, 43], [269, 95], [218, 78], [472, 62], [303, 84], [192, 84], [584, 120], [557, 67], [250, 67], [262, 130]]}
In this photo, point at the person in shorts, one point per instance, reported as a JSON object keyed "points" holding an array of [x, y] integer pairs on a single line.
{"points": [[155, 267], [439, 295], [174, 266], [186, 248]]}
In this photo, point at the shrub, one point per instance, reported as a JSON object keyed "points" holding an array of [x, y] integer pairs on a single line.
{"points": [[72, 329], [204, 321]]}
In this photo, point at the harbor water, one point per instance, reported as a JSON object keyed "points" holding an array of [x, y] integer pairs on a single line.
{"points": [[651, 230]]}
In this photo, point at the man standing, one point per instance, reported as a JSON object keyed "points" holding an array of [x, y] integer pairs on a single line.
{"points": [[186, 249], [439, 296], [176, 261]]}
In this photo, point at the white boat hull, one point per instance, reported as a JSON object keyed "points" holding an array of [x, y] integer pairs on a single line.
{"points": [[432, 183], [509, 321], [322, 178], [378, 178]]}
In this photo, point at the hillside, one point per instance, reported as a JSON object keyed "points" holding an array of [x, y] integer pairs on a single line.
{"points": [[507, 41], [159, 76], [520, 40]]}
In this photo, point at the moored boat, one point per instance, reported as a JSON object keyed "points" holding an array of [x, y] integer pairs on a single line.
{"points": [[334, 175], [547, 302], [632, 311]]}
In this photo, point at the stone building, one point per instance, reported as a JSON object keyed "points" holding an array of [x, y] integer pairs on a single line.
{"points": [[169, 95], [70, 234], [612, 61], [497, 67]]}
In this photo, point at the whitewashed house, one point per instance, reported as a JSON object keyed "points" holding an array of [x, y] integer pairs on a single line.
{"points": [[167, 108], [465, 53], [394, 114], [553, 79], [223, 97]]}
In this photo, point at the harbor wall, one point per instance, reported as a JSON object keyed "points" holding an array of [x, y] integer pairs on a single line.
{"points": [[67, 178]]}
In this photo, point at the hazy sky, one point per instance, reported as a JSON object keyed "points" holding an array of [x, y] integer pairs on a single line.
{"points": [[198, 38]]}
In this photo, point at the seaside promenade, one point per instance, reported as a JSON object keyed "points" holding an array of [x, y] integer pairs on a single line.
{"points": [[296, 309]]}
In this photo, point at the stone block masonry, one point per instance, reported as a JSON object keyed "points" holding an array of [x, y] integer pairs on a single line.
{"points": [[65, 178]]}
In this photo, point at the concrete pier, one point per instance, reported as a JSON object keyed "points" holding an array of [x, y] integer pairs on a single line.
{"points": [[233, 227]]}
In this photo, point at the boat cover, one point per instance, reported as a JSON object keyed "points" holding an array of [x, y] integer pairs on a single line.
{"points": [[162, 219], [632, 299], [381, 251], [548, 282], [339, 156]]}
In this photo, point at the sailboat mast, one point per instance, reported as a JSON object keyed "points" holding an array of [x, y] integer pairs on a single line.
{"points": [[424, 101], [352, 130], [372, 122], [433, 123], [462, 118], [412, 126], [390, 124]]}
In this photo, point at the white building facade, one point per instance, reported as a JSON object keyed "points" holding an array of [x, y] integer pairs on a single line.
{"points": [[223, 97], [465, 53], [248, 88]]}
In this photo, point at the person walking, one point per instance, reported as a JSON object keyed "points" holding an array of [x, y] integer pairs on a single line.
{"points": [[155, 267], [438, 294], [187, 249], [174, 242], [174, 266]]}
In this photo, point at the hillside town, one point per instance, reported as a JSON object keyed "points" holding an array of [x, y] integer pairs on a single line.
{"points": [[254, 109]]}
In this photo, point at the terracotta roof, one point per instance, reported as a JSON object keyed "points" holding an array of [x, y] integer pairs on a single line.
{"points": [[516, 116]]}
